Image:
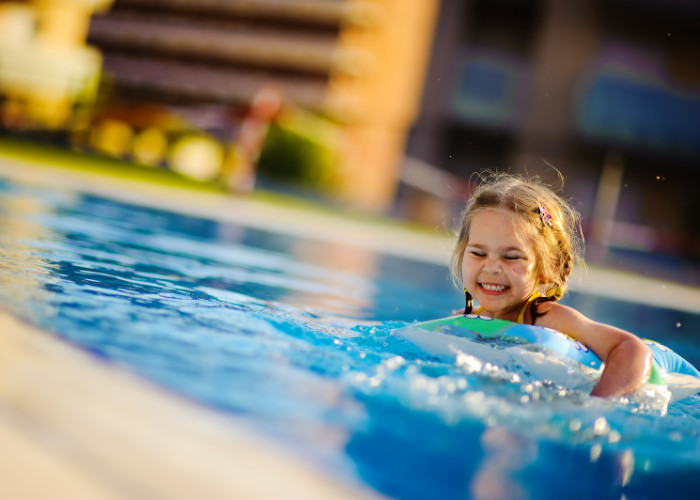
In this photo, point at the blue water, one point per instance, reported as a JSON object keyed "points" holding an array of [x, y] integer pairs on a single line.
{"points": [[294, 336]]}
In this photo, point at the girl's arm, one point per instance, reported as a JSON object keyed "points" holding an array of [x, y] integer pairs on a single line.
{"points": [[627, 359]]}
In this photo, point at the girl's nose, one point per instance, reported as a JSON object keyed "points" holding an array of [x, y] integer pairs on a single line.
{"points": [[492, 267]]}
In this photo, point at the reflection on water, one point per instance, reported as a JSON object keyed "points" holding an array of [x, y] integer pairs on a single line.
{"points": [[24, 272], [507, 454], [343, 266], [296, 336]]}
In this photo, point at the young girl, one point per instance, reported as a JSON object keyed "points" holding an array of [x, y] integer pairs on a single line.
{"points": [[515, 253]]}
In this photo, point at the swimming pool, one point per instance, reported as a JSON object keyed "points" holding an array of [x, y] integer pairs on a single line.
{"points": [[294, 335]]}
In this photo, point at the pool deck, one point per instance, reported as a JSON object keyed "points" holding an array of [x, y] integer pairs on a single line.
{"points": [[72, 426]]}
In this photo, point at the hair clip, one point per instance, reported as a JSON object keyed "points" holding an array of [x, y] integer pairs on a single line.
{"points": [[545, 216]]}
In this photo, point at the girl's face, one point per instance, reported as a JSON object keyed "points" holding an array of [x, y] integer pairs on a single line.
{"points": [[498, 266]]}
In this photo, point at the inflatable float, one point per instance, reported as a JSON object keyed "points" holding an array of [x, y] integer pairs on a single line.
{"points": [[445, 338]]}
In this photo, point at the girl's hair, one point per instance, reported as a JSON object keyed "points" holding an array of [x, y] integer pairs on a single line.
{"points": [[540, 216]]}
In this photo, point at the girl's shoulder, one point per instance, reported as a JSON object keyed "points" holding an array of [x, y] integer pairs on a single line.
{"points": [[559, 316]]}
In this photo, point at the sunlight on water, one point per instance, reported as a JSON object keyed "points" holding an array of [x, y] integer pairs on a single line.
{"points": [[299, 337]]}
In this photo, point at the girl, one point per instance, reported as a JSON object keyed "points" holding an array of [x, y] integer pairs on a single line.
{"points": [[516, 248]]}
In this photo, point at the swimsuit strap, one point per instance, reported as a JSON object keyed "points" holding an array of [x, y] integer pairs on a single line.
{"points": [[530, 300]]}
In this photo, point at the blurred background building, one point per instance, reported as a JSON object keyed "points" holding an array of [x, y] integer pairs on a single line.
{"points": [[387, 106], [47, 73], [608, 91]]}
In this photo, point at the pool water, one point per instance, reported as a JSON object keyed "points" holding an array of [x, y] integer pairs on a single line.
{"points": [[295, 336]]}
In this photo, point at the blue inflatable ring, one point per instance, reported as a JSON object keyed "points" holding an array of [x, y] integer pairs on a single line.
{"points": [[482, 328]]}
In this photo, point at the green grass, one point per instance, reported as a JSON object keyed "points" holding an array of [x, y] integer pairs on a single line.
{"points": [[55, 156]]}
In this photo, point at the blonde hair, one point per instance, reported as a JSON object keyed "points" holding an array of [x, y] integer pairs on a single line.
{"points": [[557, 242]]}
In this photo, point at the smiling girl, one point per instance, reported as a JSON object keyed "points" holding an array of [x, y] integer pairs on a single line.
{"points": [[516, 249]]}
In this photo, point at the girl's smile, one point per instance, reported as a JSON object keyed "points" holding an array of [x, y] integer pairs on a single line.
{"points": [[497, 268], [493, 289]]}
